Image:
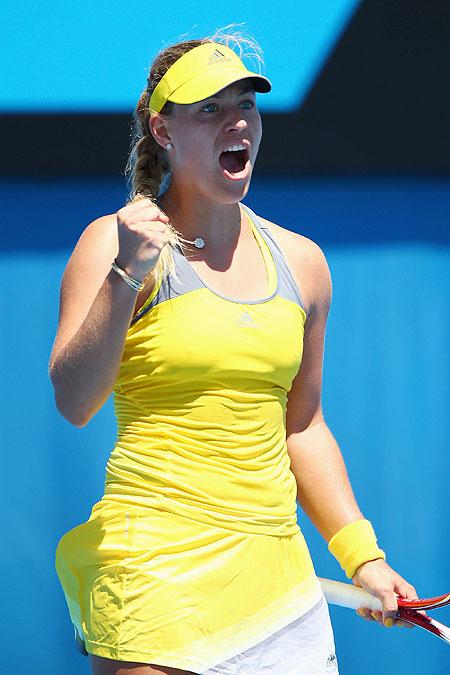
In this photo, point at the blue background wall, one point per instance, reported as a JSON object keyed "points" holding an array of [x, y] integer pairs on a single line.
{"points": [[385, 394], [387, 240]]}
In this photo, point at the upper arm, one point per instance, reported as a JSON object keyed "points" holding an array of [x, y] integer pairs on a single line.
{"points": [[312, 273], [83, 277]]}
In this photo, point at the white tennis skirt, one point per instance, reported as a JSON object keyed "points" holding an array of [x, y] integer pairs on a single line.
{"points": [[303, 647]]}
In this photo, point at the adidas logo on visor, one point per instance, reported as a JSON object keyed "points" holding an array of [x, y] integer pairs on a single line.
{"points": [[217, 57]]}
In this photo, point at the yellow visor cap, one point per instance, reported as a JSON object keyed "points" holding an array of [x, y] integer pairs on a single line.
{"points": [[202, 72]]}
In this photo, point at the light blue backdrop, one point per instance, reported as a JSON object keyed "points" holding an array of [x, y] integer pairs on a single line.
{"points": [[94, 56], [385, 393]]}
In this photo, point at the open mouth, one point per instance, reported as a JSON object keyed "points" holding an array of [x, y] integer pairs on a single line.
{"points": [[233, 161]]}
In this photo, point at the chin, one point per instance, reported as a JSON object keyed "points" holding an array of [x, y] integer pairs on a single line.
{"points": [[234, 191]]}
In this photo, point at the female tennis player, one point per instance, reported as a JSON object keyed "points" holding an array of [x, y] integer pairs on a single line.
{"points": [[207, 322]]}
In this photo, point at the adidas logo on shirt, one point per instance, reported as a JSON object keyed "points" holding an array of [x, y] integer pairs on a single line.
{"points": [[246, 320], [218, 57], [331, 662]]}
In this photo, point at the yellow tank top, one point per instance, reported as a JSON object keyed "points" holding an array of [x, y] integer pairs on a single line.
{"points": [[201, 397]]}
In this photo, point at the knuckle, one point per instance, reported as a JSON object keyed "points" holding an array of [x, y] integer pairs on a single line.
{"points": [[130, 225], [152, 237], [390, 610], [159, 215], [151, 211], [408, 591], [384, 592]]}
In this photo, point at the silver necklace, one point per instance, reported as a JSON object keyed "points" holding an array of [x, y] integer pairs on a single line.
{"points": [[199, 242]]}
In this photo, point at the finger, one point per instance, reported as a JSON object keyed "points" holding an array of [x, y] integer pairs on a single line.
{"points": [[398, 623], [151, 215], [154, 215], [406, 591], [390, 607], [364, 613], [140, 204], [136, 209], [377, 616], [146, 227], [162, 215], [152, 228]]}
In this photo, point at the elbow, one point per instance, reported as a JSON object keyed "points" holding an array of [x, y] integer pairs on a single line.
{"points": [[72, 411], [76, 418], [73, 414], [76, 400]]}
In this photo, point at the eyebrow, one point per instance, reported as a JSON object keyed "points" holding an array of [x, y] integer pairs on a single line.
{"points": [[245, 89]]}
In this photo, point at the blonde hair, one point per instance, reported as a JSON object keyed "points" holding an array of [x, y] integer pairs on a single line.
{"points": [[147, 164]]}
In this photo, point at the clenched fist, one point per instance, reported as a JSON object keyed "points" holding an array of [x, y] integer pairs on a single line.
{"points": [[143, 231]]}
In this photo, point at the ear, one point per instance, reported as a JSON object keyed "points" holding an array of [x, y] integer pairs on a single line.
{"points": [[159, 129]]}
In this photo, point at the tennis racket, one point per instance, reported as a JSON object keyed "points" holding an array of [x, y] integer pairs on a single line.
{"points": [[353, 597]]}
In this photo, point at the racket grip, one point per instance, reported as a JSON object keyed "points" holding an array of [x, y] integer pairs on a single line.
{"points": [[346, 595]]}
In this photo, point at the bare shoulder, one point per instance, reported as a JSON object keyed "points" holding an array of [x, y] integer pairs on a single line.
{"points": [[297, 245], [91, 260], [102, 230], [92, 256], [88, 265], [85, 273], [307, 262]]}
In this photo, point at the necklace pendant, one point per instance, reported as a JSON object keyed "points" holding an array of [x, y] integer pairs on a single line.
{"points": [[199, 242]]}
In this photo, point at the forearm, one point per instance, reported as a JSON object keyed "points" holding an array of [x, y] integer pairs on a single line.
{"points": [[323, 487], [83, 372]]}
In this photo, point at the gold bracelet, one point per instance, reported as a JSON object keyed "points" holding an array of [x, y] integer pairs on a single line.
{"points": [[134, 283], [354, 545]]}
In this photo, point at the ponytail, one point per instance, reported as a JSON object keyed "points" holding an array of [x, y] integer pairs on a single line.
{"points": [[145, 170]]}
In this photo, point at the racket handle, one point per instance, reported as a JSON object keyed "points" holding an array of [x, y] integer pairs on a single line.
{"points": [[346, 595]]}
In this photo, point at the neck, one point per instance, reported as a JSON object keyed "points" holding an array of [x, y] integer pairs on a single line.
{"points": [[198, 216]]}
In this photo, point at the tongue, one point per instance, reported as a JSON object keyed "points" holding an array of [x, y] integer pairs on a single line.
{"points": [[231, 161]]}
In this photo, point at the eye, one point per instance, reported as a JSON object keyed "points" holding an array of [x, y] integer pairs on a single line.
{"points": [[247, 104], [211, 107]]}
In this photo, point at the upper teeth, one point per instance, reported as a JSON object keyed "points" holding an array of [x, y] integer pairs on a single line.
{"points": [[235, 148]]}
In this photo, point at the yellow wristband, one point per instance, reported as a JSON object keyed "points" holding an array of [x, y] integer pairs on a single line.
{"points": [[354, 545]]}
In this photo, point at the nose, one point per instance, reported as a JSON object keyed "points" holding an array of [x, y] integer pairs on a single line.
{"points": [[236, 122]]}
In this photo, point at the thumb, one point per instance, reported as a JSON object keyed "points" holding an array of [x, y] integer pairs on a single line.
{"points": [[390, 607]]}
